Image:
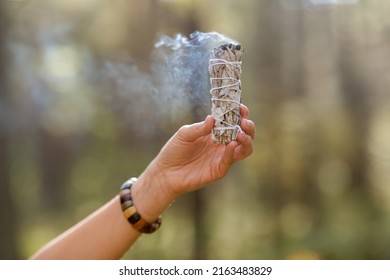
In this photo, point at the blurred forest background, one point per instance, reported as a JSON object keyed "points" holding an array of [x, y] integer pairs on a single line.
{"points": [[78, 117]]}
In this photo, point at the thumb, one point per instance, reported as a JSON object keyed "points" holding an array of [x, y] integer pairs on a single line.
{"points": [[194, 131]]}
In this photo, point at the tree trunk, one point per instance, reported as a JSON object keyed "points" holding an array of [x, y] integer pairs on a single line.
{"points": [[8, 217]]}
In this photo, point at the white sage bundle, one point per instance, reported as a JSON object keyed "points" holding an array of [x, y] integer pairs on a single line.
{"points": [[225, 73]]}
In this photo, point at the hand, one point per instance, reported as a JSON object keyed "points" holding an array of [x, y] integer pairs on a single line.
{"points": [[190, 159]]}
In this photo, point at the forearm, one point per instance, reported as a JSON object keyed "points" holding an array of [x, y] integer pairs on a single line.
{"points": [[106, 234]]}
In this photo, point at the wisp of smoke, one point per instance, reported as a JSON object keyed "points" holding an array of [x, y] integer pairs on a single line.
{"points": [[177, 83], [309, 4], [179, 68], [175, 86]]}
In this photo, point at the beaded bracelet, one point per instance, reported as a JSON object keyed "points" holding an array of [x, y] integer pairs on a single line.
{"points": [[131, 213]]}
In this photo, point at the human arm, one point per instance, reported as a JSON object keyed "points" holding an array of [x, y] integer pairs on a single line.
{"points": [[187, 162]]}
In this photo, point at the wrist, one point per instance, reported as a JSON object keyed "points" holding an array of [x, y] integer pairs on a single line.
{"points": [[151, 194]]}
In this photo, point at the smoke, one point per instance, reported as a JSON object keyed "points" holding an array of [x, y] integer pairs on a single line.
{"points": [[309, 4], [58, 81], [180, 68], [176, 85]]}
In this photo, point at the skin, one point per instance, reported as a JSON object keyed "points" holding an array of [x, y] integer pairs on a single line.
{"points": [[187, 162]]}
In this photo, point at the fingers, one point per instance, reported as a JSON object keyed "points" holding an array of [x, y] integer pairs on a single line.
{"points": [[245, 139], [228, 157], [244, 147], [244, 111], [248, 127], [194, 131]]}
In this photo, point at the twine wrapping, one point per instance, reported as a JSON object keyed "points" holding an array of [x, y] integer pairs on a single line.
{"points": [[225, 73]]}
